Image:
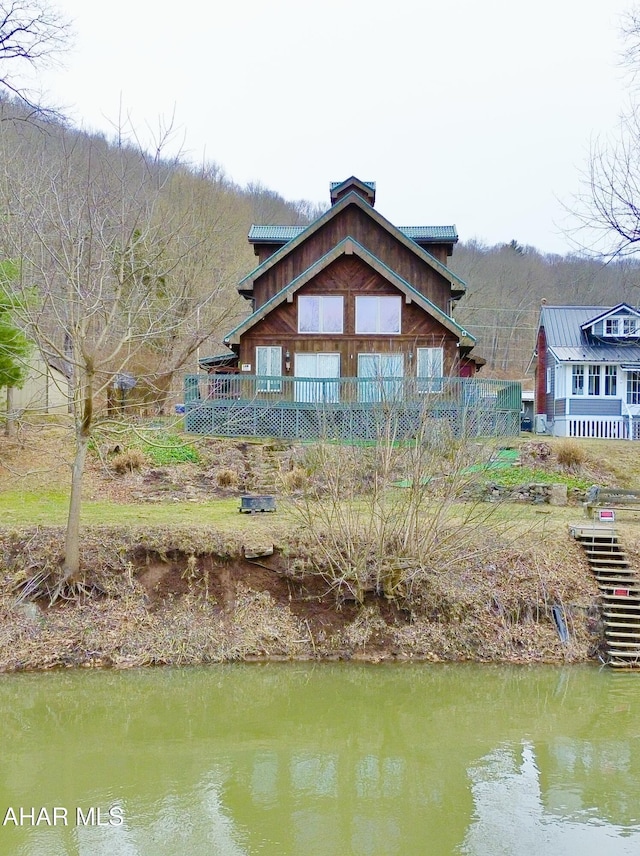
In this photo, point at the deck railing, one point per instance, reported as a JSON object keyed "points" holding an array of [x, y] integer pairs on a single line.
{"points": [[306, 408]]}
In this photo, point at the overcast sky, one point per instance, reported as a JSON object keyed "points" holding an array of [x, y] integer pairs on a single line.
{"points": [[474, 112]]}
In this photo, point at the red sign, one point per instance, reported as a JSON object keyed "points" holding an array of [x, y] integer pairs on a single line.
{"points": [[620, 592]]}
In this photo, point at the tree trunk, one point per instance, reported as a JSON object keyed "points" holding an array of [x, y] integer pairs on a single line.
{"points": [[72, 540], [10, 427]]}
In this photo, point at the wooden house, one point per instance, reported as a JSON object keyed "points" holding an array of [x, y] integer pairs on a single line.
{"points": [[588, 372], [347, 310]]}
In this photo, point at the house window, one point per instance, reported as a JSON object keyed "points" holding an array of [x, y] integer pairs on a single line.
{"points": [[429, 369], [577, 380], [594, 380], [633, 387], [548, 380], [320, 314], [269, 363], [622, 326], [610, 380], [317, 366], [378, 314], [381, 376]]}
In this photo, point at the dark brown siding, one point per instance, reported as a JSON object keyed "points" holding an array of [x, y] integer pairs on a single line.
{"points": [[350, 276], [355, 223]]}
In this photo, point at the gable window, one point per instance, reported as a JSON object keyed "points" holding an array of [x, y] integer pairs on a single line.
{"points": [[577, 380], [610, 380], [269, 364], [622, 325], [594, 380], [633, 387], [429, 369], [378, 314], [318, 314]]}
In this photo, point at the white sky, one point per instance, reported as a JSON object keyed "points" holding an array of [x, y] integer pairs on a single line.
{"points": [[473, 112]]}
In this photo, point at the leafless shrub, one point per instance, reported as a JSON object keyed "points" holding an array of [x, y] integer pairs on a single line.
{"points": [[128, 461], [294, 479], [570, 454], [227, 478]]}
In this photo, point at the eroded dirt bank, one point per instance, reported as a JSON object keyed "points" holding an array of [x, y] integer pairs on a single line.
{"points": [[153, 596]]}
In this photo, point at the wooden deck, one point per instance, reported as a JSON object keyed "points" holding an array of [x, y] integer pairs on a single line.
{"points": [[350, 408]]}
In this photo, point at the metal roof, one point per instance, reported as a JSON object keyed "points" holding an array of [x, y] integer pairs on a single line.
{"points": [[565, 338], [275, 234], [334, 184], [562, 324]]}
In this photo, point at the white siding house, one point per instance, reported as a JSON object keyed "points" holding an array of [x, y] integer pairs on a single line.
{"points": [[588, 372]]}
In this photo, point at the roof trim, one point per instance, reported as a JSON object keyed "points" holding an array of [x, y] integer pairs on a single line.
{"points": [[352, 198], [350, 245]]}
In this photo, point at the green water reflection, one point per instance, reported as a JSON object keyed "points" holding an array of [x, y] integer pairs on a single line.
{"points": [[340, 759]]}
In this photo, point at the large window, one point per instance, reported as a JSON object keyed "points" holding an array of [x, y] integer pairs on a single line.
{"points": [[317, 366], [269, 363], [378, 314], [429, 369], [381, 376], [594, 380], [633, 387], [577, 380], [320, 314], [610, 380]]}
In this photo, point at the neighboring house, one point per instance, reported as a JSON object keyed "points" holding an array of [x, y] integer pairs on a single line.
{"points": [[588, 372], [348, 311], [46, 388]]}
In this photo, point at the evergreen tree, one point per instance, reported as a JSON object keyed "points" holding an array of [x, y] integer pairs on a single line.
{"points": [[14, 345]]}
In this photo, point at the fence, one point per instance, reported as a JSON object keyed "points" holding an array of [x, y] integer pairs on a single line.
{"points": [[349, 408]]}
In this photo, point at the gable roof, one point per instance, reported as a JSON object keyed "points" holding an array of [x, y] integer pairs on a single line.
{"points": [[349, 246], [272, 234], [609, 312], [367, 187], [564, 326], [352, 198]]}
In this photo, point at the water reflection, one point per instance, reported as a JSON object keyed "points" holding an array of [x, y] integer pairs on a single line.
{"points": [[333, 759]]}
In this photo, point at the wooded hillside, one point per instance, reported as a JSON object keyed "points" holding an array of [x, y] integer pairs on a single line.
{"points": [[506, 283]]}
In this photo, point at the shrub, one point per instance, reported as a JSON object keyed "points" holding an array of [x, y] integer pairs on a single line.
{"points": [[570, 454], [227, 478], [295, 479], [128, 461]]}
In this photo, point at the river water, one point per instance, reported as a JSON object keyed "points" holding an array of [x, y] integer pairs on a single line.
{"points": [[287, 759]]}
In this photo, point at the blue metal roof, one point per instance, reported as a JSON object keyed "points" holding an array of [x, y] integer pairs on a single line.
{"points": [[334, 184], [566, 339], [276, 234]]}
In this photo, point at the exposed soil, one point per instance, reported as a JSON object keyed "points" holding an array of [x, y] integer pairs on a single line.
{"points": [[176, 596]]}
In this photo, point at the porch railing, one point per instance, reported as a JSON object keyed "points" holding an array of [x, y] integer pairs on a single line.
{"points": [[306, 408]]}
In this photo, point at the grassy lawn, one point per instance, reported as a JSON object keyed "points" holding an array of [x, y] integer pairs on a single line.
{"points": [[49, 508]]}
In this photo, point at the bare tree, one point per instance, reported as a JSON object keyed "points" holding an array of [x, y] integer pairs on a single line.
{"points": [[103, 258], [32, 35]]}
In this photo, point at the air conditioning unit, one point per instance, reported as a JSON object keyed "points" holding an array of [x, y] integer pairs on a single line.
{"points": [[540, 423]]}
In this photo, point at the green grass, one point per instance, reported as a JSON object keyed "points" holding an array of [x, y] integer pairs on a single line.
{"points": [[18, 508], [514, 476]]}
